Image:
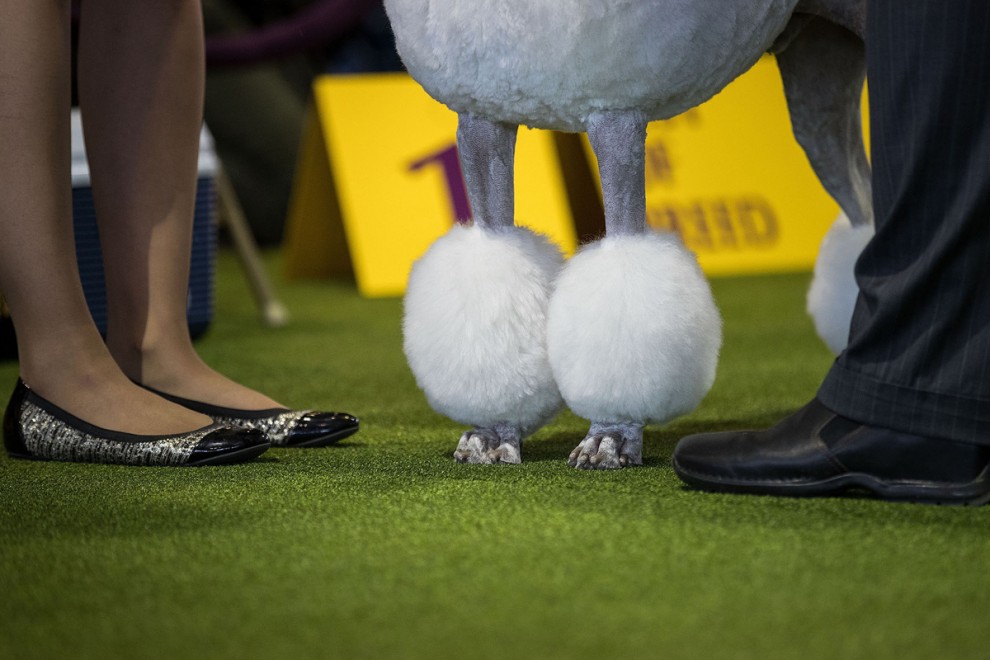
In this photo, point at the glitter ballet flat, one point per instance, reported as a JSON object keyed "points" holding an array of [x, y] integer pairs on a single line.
{"points": [[34, 428], [283, 427]]}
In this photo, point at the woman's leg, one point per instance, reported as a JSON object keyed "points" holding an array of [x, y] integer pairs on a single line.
{"points": [[62, 356], [141, 72]]}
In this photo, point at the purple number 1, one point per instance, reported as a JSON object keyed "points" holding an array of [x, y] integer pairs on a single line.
{"points": [[450, 164]]}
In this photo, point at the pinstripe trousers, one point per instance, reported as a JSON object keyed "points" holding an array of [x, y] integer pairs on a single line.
{"points": [[918, 358]]}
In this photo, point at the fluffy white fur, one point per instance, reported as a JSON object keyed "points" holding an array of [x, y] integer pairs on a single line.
{"points": [[475, 327], [833, 290], [633, 332], [551, 64]]}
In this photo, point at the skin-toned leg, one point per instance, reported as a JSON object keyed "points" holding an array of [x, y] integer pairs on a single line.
{"points": [[62, 356], [141, 78]]}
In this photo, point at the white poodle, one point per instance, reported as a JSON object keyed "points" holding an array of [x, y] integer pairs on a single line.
{"points": [[499, 330]]}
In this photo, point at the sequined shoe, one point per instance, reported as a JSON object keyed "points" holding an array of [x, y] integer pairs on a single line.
{"points": [[34, 428], [282, 427]]}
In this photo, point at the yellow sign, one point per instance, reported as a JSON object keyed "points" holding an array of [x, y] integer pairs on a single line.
{"points": [[378, 175], [378, 181], [731, 179]]}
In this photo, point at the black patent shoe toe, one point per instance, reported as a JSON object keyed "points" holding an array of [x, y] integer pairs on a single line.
{"points": [[229, 445], [291, 428], [317, 429], [282, 427]]}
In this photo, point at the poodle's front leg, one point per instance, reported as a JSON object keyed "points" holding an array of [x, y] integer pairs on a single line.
{"points": [[618, 139], [487, 151], [476, 306], [501, 444], [609, 446], [633, 333]]}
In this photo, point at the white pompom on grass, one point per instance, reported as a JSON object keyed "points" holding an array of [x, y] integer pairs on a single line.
{"points": [[475, 326], [633, 331]]}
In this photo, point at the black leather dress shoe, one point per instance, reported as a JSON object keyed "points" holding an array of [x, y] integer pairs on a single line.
{"points": [[817, 452], [35, 428], [282, 427]]}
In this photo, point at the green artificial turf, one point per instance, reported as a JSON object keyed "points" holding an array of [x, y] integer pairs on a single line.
{"points": [[383, 547]]}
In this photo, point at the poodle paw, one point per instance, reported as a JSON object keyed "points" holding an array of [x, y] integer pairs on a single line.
{"points": [[489, 446], [609, 447]]}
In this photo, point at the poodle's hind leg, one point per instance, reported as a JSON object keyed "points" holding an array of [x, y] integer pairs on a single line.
{"points": [[823, 68], [609, 446]]}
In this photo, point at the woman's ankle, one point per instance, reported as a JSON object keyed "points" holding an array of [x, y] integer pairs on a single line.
{"points": [[176, 368]]}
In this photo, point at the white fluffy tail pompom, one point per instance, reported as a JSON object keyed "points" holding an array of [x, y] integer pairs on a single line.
{"points": [[833, 291], [633, 331], [475, 326]]}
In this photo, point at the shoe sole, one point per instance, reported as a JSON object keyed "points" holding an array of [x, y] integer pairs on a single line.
{"points": [[323, 440], [974, 493], [26, 457], [239, 456]]}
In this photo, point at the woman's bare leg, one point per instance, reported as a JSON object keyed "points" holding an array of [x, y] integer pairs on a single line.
{"points": [[141, 72], [62, 356]]}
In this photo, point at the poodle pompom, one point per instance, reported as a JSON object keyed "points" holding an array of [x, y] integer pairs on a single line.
{"points": [[475, 326], [633, 331], [833, 291]]}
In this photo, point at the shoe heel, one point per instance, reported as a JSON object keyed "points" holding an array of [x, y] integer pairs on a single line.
{"points": [[13, 436]]}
